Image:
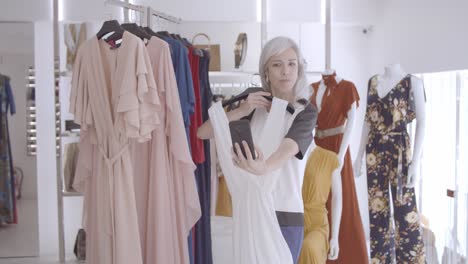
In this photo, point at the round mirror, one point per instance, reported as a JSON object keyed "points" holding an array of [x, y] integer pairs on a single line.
{"points": [[240, 50]]}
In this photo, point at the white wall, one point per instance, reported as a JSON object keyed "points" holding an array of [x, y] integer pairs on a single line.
{"points": [[424, 36], [25, 10], [17, 38], [361, 12], [45, 110], [206, 10], [225, 34], [293, 11]]}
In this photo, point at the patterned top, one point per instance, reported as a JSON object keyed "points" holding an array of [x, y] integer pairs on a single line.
{"points": [[392, 112]]}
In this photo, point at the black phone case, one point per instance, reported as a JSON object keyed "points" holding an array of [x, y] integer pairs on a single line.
{"points": [[240, 131]]}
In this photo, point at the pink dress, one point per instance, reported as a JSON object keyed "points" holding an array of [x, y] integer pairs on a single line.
{"points": [[113, 98], [165, 188]]}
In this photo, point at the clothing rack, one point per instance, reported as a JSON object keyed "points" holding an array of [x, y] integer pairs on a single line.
{"points": [[147, 14], [153, 13], [127, 6], [232, 83]]}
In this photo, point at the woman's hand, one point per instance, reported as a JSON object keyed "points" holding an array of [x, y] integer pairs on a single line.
{"points": [[256, 166], [254, 100]]}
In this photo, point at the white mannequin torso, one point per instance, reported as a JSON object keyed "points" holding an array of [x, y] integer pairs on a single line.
{"points": [[392, 76]]}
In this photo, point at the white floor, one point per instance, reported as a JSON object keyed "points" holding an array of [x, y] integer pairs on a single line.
{"points": [[22, 239], [35, 261]]}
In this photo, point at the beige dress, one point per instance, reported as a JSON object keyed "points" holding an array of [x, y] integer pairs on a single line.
{"points": [[167, 199], [113, 98]]}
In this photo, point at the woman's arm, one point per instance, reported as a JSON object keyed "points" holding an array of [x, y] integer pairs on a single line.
{"points": [[294, 145], [287, 150], [254, 100]]}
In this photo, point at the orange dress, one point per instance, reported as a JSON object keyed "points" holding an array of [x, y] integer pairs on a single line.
{"points": [[336, 102]]}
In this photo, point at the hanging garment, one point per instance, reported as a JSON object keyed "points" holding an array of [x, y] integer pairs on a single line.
{"points": [[336, 102], [196, 119], [167, 199], [8, 212], [74, 36], [183, 72], [203, 252], [179, 55], [257, 237], [388, 157], [315, 191], [113, 98], [71, 158]]}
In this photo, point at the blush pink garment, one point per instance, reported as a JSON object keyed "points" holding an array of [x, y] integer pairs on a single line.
{"points": [[113, 98], [165, 188]]}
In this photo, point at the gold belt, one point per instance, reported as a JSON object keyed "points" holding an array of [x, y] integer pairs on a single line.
{"points": [[323, 133]]}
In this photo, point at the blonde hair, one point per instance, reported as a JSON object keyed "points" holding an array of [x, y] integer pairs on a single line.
{"points": [[274, 47]]}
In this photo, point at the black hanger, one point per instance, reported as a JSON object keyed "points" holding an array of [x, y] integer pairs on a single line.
{"points": [[152, 33], [186, 41], [111, 26], [136, 30], [244, 94], [165, 34], [177, 37]]}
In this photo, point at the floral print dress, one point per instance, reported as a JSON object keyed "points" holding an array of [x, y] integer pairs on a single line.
{"points": [[388, 158]]}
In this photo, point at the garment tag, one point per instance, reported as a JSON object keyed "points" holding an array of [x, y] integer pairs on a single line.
{"points": [[114, 43]]}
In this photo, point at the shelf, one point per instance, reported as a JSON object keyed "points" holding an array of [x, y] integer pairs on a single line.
{"points": [[71, 194]]}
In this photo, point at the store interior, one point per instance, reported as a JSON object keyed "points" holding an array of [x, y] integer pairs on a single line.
{"points": [[357, 39]]}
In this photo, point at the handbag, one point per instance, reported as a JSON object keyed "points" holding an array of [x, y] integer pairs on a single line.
{"points": [[80, 245], [214, 49]]}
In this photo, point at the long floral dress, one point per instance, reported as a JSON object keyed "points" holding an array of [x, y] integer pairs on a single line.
{"points": [[388, 158]]}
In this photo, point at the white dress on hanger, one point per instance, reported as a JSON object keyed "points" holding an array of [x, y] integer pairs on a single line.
{"points": [[256, 234]]}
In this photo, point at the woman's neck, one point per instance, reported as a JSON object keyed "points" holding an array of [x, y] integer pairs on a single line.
{"points": [[285, 96]]}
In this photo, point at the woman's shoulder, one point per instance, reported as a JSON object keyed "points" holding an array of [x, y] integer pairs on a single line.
{"points": [[308, 110]]}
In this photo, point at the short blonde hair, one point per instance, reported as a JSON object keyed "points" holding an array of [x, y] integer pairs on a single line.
{"points": [[274, 47]]}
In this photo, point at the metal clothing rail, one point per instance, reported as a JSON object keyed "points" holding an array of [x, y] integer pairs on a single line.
{"points": [[153, 13], [127, 7]]}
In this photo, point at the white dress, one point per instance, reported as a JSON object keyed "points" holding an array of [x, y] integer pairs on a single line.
{"points": [[256, 234]]}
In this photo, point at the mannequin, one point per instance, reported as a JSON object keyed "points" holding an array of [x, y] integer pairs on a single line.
{"points": [[393, 74], [337, 195], [394, 100], [336, 101]]}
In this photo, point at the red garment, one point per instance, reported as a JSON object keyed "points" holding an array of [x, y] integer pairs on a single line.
{"points": [[198, 152]]}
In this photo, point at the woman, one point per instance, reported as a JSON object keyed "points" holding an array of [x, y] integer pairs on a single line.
{"points": [[281, 69]]}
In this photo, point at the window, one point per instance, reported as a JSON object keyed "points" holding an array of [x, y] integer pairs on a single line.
{"points": [[444, 164]]}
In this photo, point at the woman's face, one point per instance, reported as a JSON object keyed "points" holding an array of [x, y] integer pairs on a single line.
{"points": [[282, 72]]}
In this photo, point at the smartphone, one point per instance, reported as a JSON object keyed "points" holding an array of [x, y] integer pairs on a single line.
{"points": [[240, 131]]}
